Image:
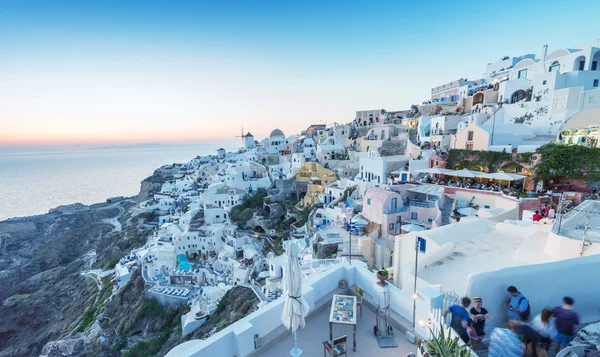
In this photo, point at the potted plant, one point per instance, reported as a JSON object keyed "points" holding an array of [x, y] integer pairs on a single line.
{"points": [[382, 275], [443, 345]]}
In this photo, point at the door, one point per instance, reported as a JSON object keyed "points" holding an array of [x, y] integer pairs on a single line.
{"points": [[394, 204], [404, 177]]}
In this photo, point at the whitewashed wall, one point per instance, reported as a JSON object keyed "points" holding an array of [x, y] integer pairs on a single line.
{"points": [[544, 285]]}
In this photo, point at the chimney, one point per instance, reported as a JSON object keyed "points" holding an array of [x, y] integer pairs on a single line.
{"points": [[544, 52]]}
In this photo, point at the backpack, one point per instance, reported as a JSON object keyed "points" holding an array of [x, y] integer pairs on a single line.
{"points": [[525, 314]]}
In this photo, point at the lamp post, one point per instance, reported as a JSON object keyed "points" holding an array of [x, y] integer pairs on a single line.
{"points": [[415, 284]]}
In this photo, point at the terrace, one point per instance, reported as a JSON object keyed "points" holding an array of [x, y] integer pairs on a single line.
{"points": [[264, 326]]}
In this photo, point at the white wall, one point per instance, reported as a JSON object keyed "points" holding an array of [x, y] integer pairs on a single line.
{"points": [[543, 284], [238, 339]]}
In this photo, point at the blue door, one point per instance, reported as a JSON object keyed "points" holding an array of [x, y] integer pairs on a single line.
{"points": [[404, 177]]}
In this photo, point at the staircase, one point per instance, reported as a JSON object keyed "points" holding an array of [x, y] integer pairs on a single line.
{"points": [[447, 210]]}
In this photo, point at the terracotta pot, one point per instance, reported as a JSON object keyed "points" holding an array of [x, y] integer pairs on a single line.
{"points": [[382, 279]]}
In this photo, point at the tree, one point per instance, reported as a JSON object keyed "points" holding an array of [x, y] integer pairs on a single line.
{"points": [[572, 161]]}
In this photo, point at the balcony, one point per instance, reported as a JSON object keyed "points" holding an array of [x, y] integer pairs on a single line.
{"points": [[422, 204], [238, 339], [396, 210]]}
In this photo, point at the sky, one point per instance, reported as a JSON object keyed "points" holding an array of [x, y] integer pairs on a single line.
{"points": [[122, 72]]}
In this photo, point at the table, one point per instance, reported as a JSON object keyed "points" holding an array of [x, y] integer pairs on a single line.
{"points": [[343, 312]]}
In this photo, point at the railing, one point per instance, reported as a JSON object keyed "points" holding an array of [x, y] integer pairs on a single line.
{"points": [[424, 204], [396, 210]]}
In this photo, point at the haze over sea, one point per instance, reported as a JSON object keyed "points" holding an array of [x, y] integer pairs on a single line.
{"points": [[32, 183]]}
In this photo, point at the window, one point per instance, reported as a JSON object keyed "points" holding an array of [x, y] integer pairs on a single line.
{"points": [[595, 83], [369, 201], [593, 100], [554, 67], [522, 73], [470, 136], [594, 65], [581, 65], [391, 227], [437, 163], [413, 215], [486, 206], [544, 82], [469, 146]]}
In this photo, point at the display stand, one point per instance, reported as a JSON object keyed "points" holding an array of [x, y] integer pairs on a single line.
{"points": [[343, 312]]}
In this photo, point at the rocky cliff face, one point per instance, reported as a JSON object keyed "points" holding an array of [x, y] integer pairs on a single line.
{"points": [[44, 295]]}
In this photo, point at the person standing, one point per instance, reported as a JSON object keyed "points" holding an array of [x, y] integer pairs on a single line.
{"points": [[504, 342], [566, 319], [478, 316], [532, 348], [460, 318], [543, 324], [518, 305]]}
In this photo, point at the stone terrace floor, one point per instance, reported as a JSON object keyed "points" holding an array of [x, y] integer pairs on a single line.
{"points": [[317, 330]]}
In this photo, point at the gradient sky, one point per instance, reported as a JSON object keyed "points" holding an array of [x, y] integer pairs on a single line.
{"points": [[106, 72]]}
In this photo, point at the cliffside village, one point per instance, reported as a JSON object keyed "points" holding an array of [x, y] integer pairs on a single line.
{"points": [[370, 189]]}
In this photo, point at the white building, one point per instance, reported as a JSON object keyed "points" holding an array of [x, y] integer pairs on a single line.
{"points": [[365, 118], [248, 141]]}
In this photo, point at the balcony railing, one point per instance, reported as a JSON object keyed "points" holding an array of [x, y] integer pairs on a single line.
{"points": [[424, 204], [396, 210]]}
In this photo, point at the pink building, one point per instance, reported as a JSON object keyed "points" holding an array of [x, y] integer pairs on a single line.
{"points": [[384, 207]]}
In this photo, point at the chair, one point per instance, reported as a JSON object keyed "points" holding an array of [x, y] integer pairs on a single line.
{"points": [[572, 351], [359, 297], [335, 348]]}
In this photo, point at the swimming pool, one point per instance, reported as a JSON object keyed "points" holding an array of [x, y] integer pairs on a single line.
{"points": [[183, 263]]}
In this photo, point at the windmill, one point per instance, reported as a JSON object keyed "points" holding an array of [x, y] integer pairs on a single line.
{"points": [[241, 136]]}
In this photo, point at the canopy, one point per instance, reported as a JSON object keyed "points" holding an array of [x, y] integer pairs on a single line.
{"points": [[435, 171], [412, 228], [467, 173], [295, 307], [505, 176]]}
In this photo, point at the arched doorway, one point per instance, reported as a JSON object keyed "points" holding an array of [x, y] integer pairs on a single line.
{"points": [[517, 96], [579, 64], [595, 65], [478, 98]]}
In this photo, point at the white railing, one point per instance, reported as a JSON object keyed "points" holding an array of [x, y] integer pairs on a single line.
{"points": [[437, 321]]}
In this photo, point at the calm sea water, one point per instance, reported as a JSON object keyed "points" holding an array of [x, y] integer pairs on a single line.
{"points": [[32, 183]]}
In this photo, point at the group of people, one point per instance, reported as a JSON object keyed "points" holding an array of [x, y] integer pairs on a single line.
{"points": [[470, 184], [522, 336], [544, 212]]}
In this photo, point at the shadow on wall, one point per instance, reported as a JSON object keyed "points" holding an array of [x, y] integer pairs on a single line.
{"points": [[544, 285]]}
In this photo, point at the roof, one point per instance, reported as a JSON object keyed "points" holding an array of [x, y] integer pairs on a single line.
{"points": [[277, 133], [249, 135], [433, 190], [583, 120], [379, 195]]}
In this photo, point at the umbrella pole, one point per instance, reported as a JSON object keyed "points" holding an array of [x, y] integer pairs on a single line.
{"points": [[295, 352]]}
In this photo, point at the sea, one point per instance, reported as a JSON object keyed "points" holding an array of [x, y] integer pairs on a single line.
{"points": [[33, 182]]}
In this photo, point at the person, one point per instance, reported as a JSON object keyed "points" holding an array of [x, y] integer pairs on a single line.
{"points": [[504, 342], [543, 324], [460, 318], [552, 212], [478, 187], [537, 216], [566, 319], [518, 305], [478, 316], [532, 348]]}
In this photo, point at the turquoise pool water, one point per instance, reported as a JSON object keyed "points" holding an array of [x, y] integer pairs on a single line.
{"points": [[183, 263]]}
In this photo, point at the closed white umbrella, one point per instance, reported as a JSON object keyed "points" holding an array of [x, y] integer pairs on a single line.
{"points": [[295, 307]]}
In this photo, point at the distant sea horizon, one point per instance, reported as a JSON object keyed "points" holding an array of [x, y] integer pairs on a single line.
{"points": [[32, 182]]}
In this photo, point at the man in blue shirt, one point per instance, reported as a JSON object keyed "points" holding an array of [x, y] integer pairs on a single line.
{"points": [[460, 318], [518, 305]]}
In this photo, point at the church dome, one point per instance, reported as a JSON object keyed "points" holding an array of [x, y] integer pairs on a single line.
{"points": [[277, 134]]}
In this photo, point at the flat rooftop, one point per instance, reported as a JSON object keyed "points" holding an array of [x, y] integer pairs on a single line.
{"points": [[316, 331], [485, 250]]}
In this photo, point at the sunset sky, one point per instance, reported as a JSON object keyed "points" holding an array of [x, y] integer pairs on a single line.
{"points": [[104, 72]]}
